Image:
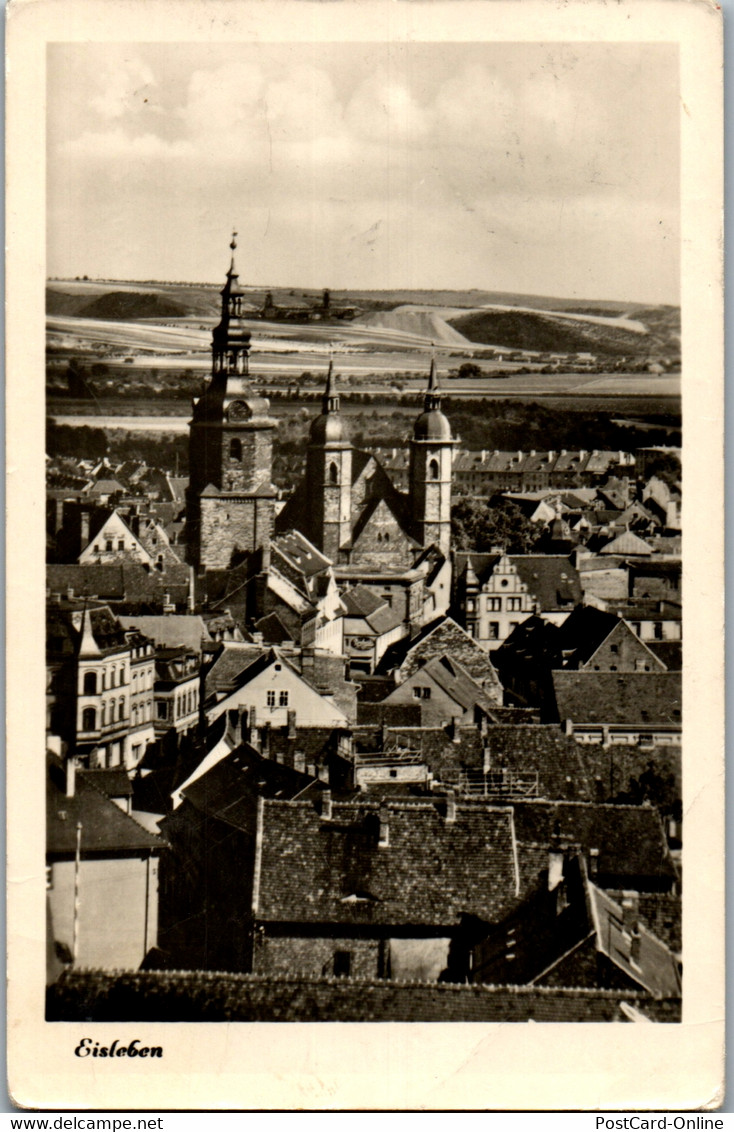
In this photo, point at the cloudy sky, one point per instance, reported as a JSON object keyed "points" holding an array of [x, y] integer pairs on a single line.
{"points": [[551, 169]]}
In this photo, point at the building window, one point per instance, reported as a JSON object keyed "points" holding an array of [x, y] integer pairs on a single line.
{"points": [[90, 683], [333, 473], [89, 719], [120, 544], [284, 699], [658, 630], [342, 964], [422, 693], [433, 470], [108, 544], [235, 449], [271, 698], [494, 604], [162, 709], [514, 604], [121, 708], [494, 630], [614, 648], [470, 605]]}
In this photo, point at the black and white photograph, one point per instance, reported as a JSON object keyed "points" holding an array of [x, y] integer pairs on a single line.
{"points": [[365, 362]]}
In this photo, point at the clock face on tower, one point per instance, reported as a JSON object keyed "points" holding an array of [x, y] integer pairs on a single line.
{"points": [[239, 411]]}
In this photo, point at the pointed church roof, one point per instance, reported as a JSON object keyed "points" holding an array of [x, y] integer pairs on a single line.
{"points": [[329, 427], [432, 424]]}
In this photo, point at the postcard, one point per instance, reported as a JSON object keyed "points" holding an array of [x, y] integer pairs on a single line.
{"points": [[365, 437]]}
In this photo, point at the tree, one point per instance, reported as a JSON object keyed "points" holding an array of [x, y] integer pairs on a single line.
{"points": [[477, 526], [469, 369]]}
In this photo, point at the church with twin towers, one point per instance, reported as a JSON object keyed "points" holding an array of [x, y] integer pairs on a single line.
{"points": [[346, 506]]}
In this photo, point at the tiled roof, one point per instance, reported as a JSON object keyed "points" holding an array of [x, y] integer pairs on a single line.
{"points": [[633, 698], [630, 840], [482, 564], [314, 743], [431, 871], [105, 582], [105, 828], [440, 637], [584, 631], [551, 579], [627, 543], [560, 762], [214, 997]]}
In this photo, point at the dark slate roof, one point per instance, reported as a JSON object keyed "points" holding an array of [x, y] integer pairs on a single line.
{"points": [[584, 630], [361, 601], [630, 839], [456, 682], [431, 871], [105, 828], [229, 791], [306, 557], [551, 579], [274, 632], [113, 783], [391, 715], [482, 564], [232, 659], [670, 652], [635, 698]]}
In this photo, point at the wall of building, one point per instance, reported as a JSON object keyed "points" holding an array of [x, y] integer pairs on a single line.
{"points": [[307, 955], [231, 524], [118, 909]]}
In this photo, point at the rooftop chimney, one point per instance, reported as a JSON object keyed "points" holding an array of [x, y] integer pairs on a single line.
{"points": [[326, 806], [568, 727], [299, 761], [254, 737], [455, 729], [291, 724], [450, 806], [630, 911], [70, 777], [635, 947], [593, 862], [384, 836], [84, 529]]}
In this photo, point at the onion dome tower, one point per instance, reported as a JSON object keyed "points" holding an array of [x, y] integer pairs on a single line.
{"points": [[230, 498], [430, 470], [329, 474]]}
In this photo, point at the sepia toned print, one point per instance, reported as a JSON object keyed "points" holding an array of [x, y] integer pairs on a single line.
{"points": [[364, 548]]}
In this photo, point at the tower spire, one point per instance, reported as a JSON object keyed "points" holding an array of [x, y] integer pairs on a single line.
{"points": [[432, 398], [233, 245], [330, 399]]}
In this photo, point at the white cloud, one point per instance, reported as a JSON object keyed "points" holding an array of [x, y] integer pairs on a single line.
{"points": [[124, 85]]}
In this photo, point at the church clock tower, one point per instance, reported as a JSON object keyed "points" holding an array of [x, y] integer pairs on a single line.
{"points": [[230, 498], [329, 474], [430, 470]]}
